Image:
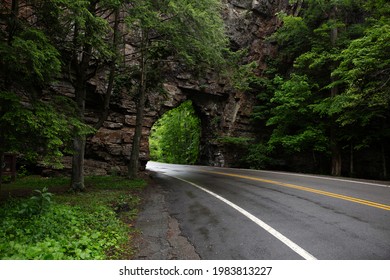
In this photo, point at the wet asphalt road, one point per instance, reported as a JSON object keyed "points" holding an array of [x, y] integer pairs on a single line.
{"points": [[246, 214]]}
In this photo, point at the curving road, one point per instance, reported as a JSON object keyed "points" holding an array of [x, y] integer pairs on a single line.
{"points": [[248, 214]]}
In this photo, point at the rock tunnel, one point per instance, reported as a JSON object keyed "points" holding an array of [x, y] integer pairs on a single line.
{"points": [[223, 111]]}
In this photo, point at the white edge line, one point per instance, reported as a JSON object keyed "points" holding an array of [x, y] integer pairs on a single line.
{"points": [[296, 248]]}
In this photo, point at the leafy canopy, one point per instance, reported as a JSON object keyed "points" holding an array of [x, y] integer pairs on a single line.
{"points": [[175, 136], [191, 31]]}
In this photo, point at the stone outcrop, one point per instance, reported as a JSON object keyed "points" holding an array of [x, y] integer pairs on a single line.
{"points": [[250, 22], [223, 111]]}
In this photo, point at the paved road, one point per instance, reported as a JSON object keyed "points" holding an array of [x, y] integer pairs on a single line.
{"points": [[247, 214]]}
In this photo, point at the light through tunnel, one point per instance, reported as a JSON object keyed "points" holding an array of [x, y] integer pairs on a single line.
{"points": [[175, 137]]}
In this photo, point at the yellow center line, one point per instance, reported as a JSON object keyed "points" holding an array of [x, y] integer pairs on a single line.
{"points": [[306, 189]]}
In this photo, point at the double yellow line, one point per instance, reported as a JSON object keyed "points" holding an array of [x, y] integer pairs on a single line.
{"points": [[311, 190]]}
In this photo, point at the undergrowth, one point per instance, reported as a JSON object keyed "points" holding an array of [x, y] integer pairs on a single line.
{"points": [[96, 224]]}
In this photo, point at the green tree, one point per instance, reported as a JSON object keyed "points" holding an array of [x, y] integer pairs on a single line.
{"points": [[175, 136], [296, 126], [38, 129], [187, 32], [311, 41], [82, 34], [363, 74], [88, 39]]}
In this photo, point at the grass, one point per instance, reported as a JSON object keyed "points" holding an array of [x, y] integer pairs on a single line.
{"points": [[36, 182], [96, 224]]}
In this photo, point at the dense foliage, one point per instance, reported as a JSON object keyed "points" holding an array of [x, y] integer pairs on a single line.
{"points": [[323, 97], [175, 136], [38, 126], [74, 40], [326, 95], [87, 226]]}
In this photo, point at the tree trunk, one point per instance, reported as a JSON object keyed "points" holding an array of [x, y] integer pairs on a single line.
{"points": [[106, 103], [336, 163], [77, 179], [135, 150], [298, 8], [336, 155], [384, 164], [334, 142], [81, 66], [334, 145], [13, 20], [351, 163]]}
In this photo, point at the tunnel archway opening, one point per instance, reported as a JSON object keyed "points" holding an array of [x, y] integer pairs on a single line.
{"points": [[176, 136]]}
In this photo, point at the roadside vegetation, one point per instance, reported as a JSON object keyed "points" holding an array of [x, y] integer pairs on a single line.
{"points": [[45, 43], [92, 225], [175, 137], [324, 98]]}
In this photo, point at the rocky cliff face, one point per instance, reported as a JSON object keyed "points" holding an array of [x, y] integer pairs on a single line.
{"points": [[222, 110], [249, 22]]}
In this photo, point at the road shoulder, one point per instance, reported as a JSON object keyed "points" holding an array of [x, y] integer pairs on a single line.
{"points": [[160, 236]]}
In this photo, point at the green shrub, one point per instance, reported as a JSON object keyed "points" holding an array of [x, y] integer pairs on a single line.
{"points": [[60, 232], [258, 156], [38, 203], [85, 225]]}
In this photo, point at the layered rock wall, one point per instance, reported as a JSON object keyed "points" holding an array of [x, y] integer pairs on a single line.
{"points": [[223, 111]]}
